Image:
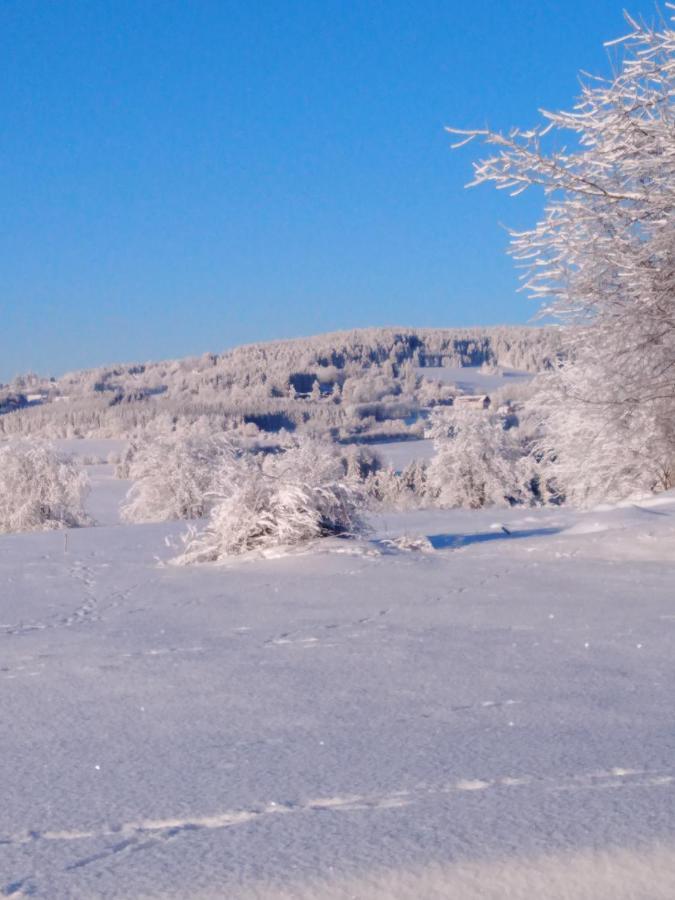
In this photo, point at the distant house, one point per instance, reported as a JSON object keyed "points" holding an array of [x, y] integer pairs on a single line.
{"points": [[477, 401]]}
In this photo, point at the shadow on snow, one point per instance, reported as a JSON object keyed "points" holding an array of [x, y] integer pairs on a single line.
{"points": [[443, 541]]}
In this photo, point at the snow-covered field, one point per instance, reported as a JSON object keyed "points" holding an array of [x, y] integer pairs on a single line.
{"points": [[474, 379], [90, 448], [398, 454], [489, 719]]}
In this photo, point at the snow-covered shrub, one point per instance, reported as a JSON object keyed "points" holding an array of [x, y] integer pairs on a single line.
{"points": [[476, 461], [40, 489], [125, 458], [359, 461], [92, 459], [414, 477], [174, 477], [435, 393], [409, 542], [276, 500], [389, 489]]}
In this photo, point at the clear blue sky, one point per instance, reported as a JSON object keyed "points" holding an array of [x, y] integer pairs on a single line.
{"points": [[184, 176]]}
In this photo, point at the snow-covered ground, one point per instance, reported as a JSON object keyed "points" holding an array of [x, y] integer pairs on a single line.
{"points": [[398, 454], [489, 719], [90, 448], [474, 379], [106, 495]]}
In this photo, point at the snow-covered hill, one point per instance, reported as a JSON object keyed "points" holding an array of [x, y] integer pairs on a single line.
{"points": [[368, 384]]}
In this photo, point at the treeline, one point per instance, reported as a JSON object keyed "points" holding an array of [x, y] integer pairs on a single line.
{"points": [[357, 385]]}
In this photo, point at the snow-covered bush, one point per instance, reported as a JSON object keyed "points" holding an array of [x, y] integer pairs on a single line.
{"points": [[276, 500], [435, 393], [476, 461], [409, 542], [124, 459], [40, 489], [93, 459], [359, 461], [388, 489], [174, 477]]}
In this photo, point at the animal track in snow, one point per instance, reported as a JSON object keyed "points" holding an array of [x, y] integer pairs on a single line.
{"points": [[162, 651], [287, 639], [301, 637], [87, 611], [485, 704], [29, 668], [142, 834]]}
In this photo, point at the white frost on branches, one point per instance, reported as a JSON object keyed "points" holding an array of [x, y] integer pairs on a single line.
{"points": [[603, 257], [476, 463], [40, 490], [175, 477], [278, 500]]}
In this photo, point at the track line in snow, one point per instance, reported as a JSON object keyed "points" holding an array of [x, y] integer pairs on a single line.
{"points": [[140, 834], [303, 638], [143, 834], [89, 609], [484, 704]]}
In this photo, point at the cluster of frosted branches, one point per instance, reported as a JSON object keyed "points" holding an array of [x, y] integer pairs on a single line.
{"points": [[175, 477], [267, 501], [476, 462], [603, 256], [40, 490]]}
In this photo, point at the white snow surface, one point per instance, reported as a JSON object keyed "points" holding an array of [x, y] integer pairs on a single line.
{"points": [[106, 495], [90, 447], [398, 454], [490, 718], [474, 379]]}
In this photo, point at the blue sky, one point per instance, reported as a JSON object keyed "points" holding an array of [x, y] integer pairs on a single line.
{"points": [[185, 176]]}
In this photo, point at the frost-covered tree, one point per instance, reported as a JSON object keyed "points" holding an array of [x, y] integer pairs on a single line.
{"points": [[277, 500], [175, 477], [40, 489], [476, 462], [603, 257], [585, 456]]}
